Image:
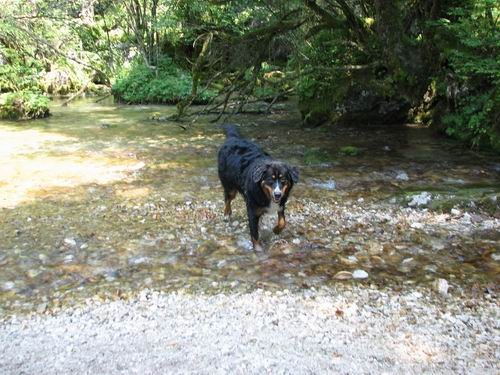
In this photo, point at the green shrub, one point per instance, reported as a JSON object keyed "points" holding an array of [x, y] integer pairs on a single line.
{"points": [[473, 42], [167, 84], [23, 105]]}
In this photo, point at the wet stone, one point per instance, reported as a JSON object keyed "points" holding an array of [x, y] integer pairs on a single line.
{"points": [[150, 197], [360, 274], [343, 275], [441, 286]]}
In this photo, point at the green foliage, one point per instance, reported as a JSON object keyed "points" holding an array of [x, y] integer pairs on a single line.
{"points": [[23, 105], [473, 46], [167, 84], [350, 151]]}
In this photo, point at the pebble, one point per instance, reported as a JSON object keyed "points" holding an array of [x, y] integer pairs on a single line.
{"points": [[421, 199], [327, 185], [343, 275], [360, 274], [8, 285], [441, 286], [402, 176], [70, 242]]}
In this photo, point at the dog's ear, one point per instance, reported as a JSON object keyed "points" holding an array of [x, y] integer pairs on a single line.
{"points": [[258, 172], [294, 174]]}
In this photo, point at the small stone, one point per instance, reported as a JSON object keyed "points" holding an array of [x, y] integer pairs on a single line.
{"points": [[69, 242], [495, 257], [343, 275], [235, 223], [430, 268], [327, 185], [402, 176], [296, 241], [417, 225], [33, 273], [360, 274], [407, 260], [421, 199], [137, 260], [455, 212], [8, 285], [441, 286], [41, 308]]}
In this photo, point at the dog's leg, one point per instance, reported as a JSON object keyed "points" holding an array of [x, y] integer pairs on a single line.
{"points": [[228, 197], [281, 221], [253, 221]]}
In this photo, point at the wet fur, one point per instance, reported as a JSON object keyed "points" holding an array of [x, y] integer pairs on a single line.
{"points": [[245, 168]]}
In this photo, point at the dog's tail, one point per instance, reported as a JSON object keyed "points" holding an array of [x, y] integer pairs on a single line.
{"points": [[231, 131]]}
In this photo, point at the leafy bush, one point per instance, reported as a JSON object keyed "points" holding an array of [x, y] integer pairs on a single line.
{"points": [[23, 105], [167, 84], [473, 43]]}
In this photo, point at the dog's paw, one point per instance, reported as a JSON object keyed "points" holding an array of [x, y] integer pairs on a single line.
{"points": [[278, 229]]}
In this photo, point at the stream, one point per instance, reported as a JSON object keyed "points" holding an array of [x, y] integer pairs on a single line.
{"points": [[101, 199]]}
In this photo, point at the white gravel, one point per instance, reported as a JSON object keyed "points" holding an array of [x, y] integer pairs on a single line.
{"points": [[358, 331]]}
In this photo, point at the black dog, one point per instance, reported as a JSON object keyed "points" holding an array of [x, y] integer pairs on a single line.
{"points": [[263, 181]]}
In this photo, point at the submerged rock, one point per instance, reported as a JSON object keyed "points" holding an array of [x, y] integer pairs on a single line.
{"points": [[421, 199], [441, 286], [325, 185], [402, 176], [360, 274], [343, 275]]}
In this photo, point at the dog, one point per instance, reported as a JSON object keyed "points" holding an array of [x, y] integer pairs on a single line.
{"points": [[264, 182]]}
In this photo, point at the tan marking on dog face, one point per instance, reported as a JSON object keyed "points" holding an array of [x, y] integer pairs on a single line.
{"points": [[285, 188], [268, 190]]}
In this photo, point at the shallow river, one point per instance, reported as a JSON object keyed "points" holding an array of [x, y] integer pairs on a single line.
{"points": [[99, 199]]}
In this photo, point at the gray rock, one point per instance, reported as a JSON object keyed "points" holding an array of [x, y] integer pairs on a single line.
{"points": [[69, 242], [402, 176], [359, 274], [421, 199], [441, 286], [325, 185]]}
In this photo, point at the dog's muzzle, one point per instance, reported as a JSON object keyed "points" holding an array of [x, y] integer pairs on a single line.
{"points": [[277, 194]]}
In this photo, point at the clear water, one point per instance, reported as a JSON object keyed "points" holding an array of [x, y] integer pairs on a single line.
{"points": [[99, 199]]}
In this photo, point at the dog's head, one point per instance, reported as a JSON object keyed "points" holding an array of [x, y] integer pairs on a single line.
{"points": [[275, 179]]}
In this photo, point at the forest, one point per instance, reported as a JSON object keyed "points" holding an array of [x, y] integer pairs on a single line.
{"points": [[342, 61]]}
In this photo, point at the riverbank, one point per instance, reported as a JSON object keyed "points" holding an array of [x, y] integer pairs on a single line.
{"points": [[354, 330]]}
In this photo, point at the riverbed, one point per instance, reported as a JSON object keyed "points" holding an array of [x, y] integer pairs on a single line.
{"points": [[103, 200]]}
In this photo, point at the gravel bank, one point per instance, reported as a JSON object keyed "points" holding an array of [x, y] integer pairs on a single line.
{"points": [[354, 331]]}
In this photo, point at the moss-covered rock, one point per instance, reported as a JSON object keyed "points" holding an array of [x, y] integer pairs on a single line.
{"points": [[315, 156], [350, 151], [23, 105]]}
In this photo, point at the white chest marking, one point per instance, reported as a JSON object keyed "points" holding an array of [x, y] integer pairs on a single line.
{"points": [[272, 208]]}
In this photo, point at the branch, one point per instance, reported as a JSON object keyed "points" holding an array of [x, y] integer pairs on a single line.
{"points": [[59, 52]]}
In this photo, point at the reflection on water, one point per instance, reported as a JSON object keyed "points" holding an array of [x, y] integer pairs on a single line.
{"points": [[100, 199]]}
